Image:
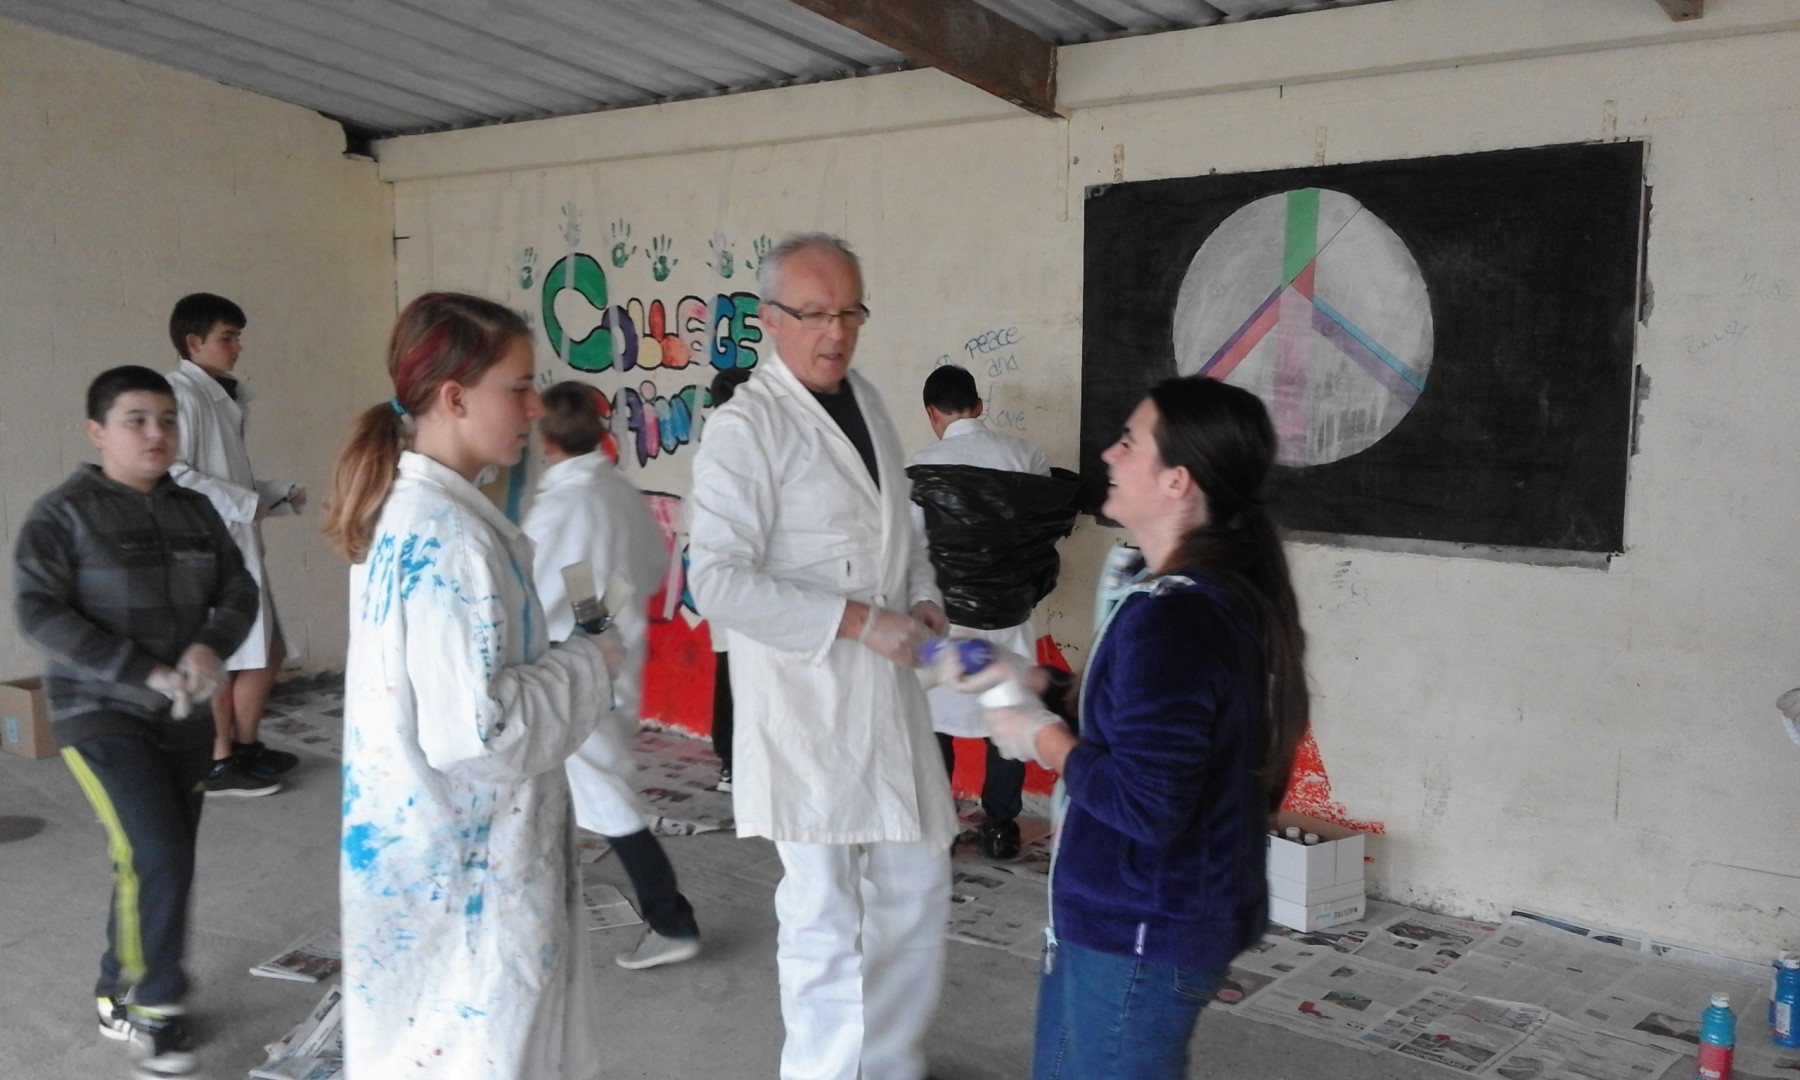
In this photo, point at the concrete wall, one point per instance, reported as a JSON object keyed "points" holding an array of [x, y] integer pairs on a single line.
{"points": [[1599, 743], [124, 186]]}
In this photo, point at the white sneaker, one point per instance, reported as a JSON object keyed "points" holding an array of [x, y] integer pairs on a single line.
{"points": [[113, 1024], [654, 950]]}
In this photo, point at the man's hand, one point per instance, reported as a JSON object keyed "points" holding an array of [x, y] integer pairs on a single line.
{"points": [[932, 616], [894, 636], [296, 498], [201, 671]]}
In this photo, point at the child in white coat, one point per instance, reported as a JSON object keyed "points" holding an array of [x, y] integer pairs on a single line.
{"points": [[207, 331], [464, 947], [585, 512]]}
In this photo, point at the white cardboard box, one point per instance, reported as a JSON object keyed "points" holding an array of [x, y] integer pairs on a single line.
{"points": [[1317, 885], [1317, 916]]}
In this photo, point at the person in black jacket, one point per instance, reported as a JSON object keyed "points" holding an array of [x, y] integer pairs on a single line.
{"points": [[133, 590], [991, 510]]}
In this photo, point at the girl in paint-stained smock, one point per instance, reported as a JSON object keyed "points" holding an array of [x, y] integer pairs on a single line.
{"points": [[1189, 713], [464, 952]]}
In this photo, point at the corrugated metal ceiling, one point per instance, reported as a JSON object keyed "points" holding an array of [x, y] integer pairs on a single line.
{"points": [[391, 67]]}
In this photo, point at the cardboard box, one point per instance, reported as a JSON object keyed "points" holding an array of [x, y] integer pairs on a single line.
{"points": [[24, 722], [1318, 916], [1317, 885]]}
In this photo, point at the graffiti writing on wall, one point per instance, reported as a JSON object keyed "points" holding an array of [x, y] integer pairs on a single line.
{"points": [[593, 334], [992, 353]]}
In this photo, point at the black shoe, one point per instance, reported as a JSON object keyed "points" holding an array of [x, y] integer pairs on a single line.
{"points": [[225, 778], [159, 1043], [255, 759], [1000, 839]]}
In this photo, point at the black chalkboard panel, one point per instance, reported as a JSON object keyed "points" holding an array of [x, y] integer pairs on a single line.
{"points": [[1527, 262]]}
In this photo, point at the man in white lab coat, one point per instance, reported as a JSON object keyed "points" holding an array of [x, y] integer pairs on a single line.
{"points": [[803, 552], [585, 512]]}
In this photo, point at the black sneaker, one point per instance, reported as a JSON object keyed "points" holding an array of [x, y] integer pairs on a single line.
{"points": [[256, 759], [113, 1023], [724, 784], [1000, 839], [225, 778], [159, 1042]]}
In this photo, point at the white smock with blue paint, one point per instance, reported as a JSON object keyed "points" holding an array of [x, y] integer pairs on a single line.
{"points": [[464, 948]]}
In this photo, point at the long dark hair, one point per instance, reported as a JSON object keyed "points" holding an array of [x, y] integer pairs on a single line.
{"points": [[1222, 436]]}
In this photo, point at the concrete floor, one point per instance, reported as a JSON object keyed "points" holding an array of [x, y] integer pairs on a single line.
{"points": [[268, 874]]}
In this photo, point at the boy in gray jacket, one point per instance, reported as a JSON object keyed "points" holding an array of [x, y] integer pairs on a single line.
{"points": [[132, 588]]}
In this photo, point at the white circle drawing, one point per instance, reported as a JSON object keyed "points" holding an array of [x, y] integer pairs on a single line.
{"points": [[1313, 303]]}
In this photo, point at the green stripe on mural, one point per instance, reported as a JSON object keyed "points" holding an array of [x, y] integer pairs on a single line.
{"points": [[1302, 232]]}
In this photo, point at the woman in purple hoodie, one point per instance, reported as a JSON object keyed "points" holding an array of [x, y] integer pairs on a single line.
{"points": [[1190, 711]]}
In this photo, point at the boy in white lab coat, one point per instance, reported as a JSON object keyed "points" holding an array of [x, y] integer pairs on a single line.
{"points": [[206, 331], [584, 511]]}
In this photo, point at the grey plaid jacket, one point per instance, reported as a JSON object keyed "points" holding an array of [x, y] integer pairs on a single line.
{"points": [[112, 583]]}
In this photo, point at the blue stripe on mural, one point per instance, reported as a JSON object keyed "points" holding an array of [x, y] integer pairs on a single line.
{"points": [[1387, 368]]}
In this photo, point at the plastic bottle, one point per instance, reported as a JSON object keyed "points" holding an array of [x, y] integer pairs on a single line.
{"points": [[1787, 1002], [972, 654], [1312, 838], [1718, 1032], [1292, 832]]}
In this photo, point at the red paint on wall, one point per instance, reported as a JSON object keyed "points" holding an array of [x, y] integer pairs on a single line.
{"points": [[678, 674], [1310, 791]]}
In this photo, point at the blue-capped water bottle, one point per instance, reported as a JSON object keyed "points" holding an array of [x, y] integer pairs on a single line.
{"points": [[1718, 1033], [1787, 1002]]}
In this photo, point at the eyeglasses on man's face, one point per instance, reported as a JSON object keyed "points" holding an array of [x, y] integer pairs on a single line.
{"points": [[819, 320]]}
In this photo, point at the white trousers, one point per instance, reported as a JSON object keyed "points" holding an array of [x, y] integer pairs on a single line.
{"points": [[861, 957]]}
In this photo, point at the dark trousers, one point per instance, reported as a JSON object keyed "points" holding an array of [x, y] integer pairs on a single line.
{"points": [[721, 725], [147, 789], [653, 879], [1002, 786]]}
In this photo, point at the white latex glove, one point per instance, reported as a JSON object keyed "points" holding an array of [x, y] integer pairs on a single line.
{"points": [[1014, 730], [167, 682], [201, 671], [894, 636], [932, 616], [297, 498]]}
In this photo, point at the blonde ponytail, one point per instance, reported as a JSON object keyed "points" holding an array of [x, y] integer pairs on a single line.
{"points": [[361, 480]]}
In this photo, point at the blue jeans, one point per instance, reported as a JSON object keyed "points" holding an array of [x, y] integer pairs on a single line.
{"points": [[1107, 1017]]}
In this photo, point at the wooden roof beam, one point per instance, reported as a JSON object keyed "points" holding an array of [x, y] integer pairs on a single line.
{"points": [[960, 38]]}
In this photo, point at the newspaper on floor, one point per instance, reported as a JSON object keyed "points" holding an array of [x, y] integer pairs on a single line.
{"points": [[1453, 1029], [1341, 998], [1561, 1049], [314, 1049], [1423, 942], [607, 907], [1278, 953], [675, 778], [316, 956], [1528, 961], [996, 909]]}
